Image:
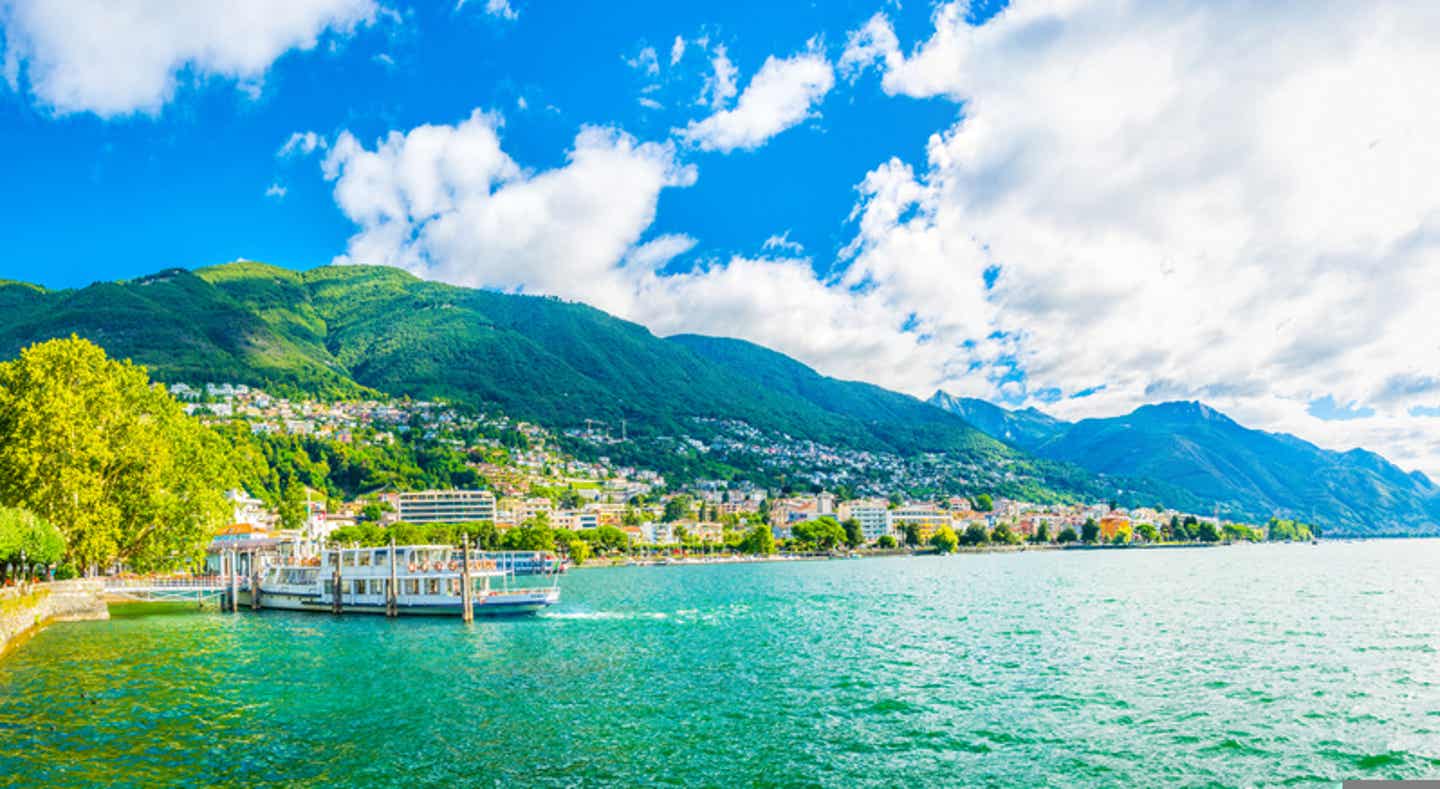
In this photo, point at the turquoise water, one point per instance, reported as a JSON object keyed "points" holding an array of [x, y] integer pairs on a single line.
{"points": [[1239, 665]]}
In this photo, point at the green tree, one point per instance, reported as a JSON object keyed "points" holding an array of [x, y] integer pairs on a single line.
{"points": [[984, 503], [821, 534], [912, 534], [1004, 535], [676, 509], [759, 541], [25, 538], [1122, 535], [944, 539], [1042, 534], [1090, 532], [975, 534], [854, 534], [1148, 532], [293, 511], [1205, 531], [886, 541], [1067, 535], [88, 444]]}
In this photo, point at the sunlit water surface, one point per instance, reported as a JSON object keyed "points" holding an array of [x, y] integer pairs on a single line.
{"points": [[1239, 665]]}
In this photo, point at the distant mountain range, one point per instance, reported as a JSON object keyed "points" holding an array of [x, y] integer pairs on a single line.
{"points": [[352, 330], [1208, 455]]}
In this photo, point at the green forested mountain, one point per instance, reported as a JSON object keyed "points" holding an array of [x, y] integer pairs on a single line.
{"points": [[344, 330], [1216, 461]]}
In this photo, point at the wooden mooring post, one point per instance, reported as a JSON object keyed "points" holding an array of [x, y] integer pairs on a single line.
{"points": [[392, 586], [336, 604], [254, 584], [467, 590], [234, 581]]}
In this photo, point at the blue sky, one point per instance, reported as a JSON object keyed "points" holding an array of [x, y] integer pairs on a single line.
{"points": [[1082, 205], [120, 197]]}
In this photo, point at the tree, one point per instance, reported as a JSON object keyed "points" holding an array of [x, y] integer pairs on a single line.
{"points": [[975, 534], [1042, 534], [1090, 532], [944, 539], [1122, 535], [984, 503], [912, 534], [293, 511], [1067, 535], [886, 541], [28, 540], [759, 541], [676, 509], [854, 534], [821, 534], [1205, 531], [88, 444], [1148, 532], [1003, 535]]}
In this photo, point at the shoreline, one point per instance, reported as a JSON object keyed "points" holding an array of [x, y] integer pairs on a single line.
{"points": [[700, 559]]}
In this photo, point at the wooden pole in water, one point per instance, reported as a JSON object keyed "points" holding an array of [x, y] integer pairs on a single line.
{"points": [[234, 581], [254, 584], [467, 592], [392, 587], [336, 606]]}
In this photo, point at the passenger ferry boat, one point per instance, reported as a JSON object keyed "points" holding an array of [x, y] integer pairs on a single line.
{"points": [[428, 583]]}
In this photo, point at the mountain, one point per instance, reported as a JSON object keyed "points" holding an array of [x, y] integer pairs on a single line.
{"points": [[1246, 472], [1024, 428], [350, 330]]}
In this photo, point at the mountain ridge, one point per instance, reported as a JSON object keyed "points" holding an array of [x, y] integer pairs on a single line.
{"points": [[1252, 472]]}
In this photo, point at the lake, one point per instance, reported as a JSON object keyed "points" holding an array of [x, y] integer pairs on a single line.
{"points": [[1238, 665]]}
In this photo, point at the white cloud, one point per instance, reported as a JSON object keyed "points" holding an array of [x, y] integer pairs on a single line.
{"points": [[117, 57], [645, 61], [719, 86], [650, 104], [782, 243], [302, 144], [781, 95], [1175, 204], [500, 9], [677, 50], [446, 202], [276, 191]]}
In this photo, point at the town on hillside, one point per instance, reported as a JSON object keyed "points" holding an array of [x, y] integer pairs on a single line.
{"points": [[523, 483]]}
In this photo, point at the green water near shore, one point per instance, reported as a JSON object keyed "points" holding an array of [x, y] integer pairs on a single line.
{"points": [[1237, 666]]}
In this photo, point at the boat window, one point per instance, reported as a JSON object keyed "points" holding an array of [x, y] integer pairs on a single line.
{"points": [[330, 588], [357, 587], [412, 586], [362, 559], [377, 587], [432, 586], [452, 586]]}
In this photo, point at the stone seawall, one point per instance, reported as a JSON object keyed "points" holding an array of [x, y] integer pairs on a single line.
{"points": [[22, 611]]}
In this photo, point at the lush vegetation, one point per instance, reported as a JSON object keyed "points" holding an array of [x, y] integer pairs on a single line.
{"points": [[27, 541], [88, 444]]}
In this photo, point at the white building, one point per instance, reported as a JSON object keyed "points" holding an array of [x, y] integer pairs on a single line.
{"points": [[872, 514], [446, 506]]}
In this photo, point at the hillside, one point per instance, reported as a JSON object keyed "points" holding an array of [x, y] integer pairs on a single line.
{"points": [[347, 330], [1246, 472]]}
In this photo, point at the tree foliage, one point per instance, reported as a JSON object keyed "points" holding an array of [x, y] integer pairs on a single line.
{"points": [[25, 537], [944, 539], [88, 444]]}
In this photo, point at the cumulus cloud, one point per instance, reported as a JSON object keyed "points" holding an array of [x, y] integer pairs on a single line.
{"points": [[118, 57], [276, 191], [677, 50], [782, 94], [645, 61], [782, 243], [1152, 198], [446, 202]]}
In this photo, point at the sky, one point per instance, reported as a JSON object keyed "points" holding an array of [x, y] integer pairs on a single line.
{"points": [[1078, 205]]}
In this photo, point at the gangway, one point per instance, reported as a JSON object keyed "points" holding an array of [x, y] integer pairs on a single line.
{"points": [[154, 590]]}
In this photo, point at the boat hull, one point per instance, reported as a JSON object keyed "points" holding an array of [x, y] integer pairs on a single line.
{"points": [[495, 604]]}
